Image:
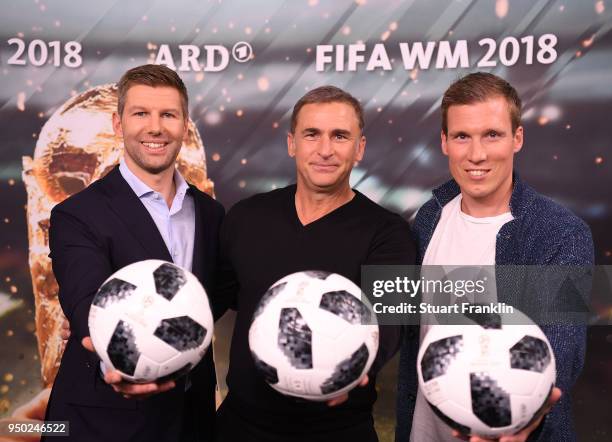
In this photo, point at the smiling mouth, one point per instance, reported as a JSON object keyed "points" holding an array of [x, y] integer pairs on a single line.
{"points": [[477, 173], [324, 166], [151, 145]]}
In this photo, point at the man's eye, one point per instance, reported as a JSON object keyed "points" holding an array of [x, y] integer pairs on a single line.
{"points": [[493, 134], [461, 137], [310, 136], [340, 137], [168, 115], [140, 114]]}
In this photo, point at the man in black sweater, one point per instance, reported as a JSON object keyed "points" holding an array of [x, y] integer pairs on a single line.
{"points": [[318, 224]]}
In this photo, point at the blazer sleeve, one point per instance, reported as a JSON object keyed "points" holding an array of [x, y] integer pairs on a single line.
{"points": [[80, 263]]}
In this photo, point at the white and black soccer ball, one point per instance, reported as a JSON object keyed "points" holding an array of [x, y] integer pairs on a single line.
{"points": [[487, 378], [151, 320], [313, 336]]}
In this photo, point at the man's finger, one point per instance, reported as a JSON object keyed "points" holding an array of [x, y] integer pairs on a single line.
{"points": [[169, 385], [337, 400], [88, 344], [113, 377], [523, 435], [554, 397], [343, 398], [144, 391], [480, 439], [138, 391], [459, 435], [65, 330]]}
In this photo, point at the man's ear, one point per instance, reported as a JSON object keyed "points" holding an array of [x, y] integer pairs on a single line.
{"points": [[518, 139], [443, 143], [186, 130], [117, 125], [360, 149], [290, 144]]}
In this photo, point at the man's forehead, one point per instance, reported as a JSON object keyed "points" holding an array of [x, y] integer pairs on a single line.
{"points": [[335, 113], [154, 93], [495, 108]]}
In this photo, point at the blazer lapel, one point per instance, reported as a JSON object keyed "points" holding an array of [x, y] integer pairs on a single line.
{"points": [[128, 207], [197, 266], [202, 240]]}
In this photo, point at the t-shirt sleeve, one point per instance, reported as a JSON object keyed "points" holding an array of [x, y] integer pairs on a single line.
{"points": [[393, 244]]}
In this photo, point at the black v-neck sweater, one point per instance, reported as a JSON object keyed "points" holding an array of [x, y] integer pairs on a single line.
{"points": [[263, 240]]}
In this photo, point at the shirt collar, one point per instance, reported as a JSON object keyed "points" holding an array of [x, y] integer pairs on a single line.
{"points": [[141, 189], [181, 185], [521, 199]]}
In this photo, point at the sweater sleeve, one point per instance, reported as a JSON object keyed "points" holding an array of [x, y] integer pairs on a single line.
{"points": [[393, 244], [226, 282], [568, 341]]}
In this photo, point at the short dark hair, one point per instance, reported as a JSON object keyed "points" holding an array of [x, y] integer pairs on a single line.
{"points": [[479, 87], [151, 75], [327, 94]]}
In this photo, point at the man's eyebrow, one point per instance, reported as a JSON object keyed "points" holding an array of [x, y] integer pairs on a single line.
{"points": [[493, 129], [311, 130], [174, 110], [344, 132]]}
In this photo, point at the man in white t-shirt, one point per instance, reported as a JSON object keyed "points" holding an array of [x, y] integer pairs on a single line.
{"points": [[487, 216]]}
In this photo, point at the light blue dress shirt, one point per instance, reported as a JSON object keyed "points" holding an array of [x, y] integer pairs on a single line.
{"points": [[176, 223]]}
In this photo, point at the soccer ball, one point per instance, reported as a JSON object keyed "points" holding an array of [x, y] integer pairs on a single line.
{"points": [[151, 321], [312, 336], [487, 378]]}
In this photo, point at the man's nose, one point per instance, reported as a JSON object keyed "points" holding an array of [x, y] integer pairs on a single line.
{"points": [[154, 124], [477, 152], [326, 147]]}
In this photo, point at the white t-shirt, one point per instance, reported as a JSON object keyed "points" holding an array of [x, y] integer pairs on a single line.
{"points": [[459, 239]]}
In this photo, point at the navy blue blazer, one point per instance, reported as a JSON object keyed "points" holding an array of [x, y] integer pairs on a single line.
{"points": [[93, 234]]}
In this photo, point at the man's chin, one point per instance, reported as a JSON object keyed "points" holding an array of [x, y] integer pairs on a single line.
{"points": [[477, 193], [324, 182], [156, 169], [155, 166], [330, 188]]}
